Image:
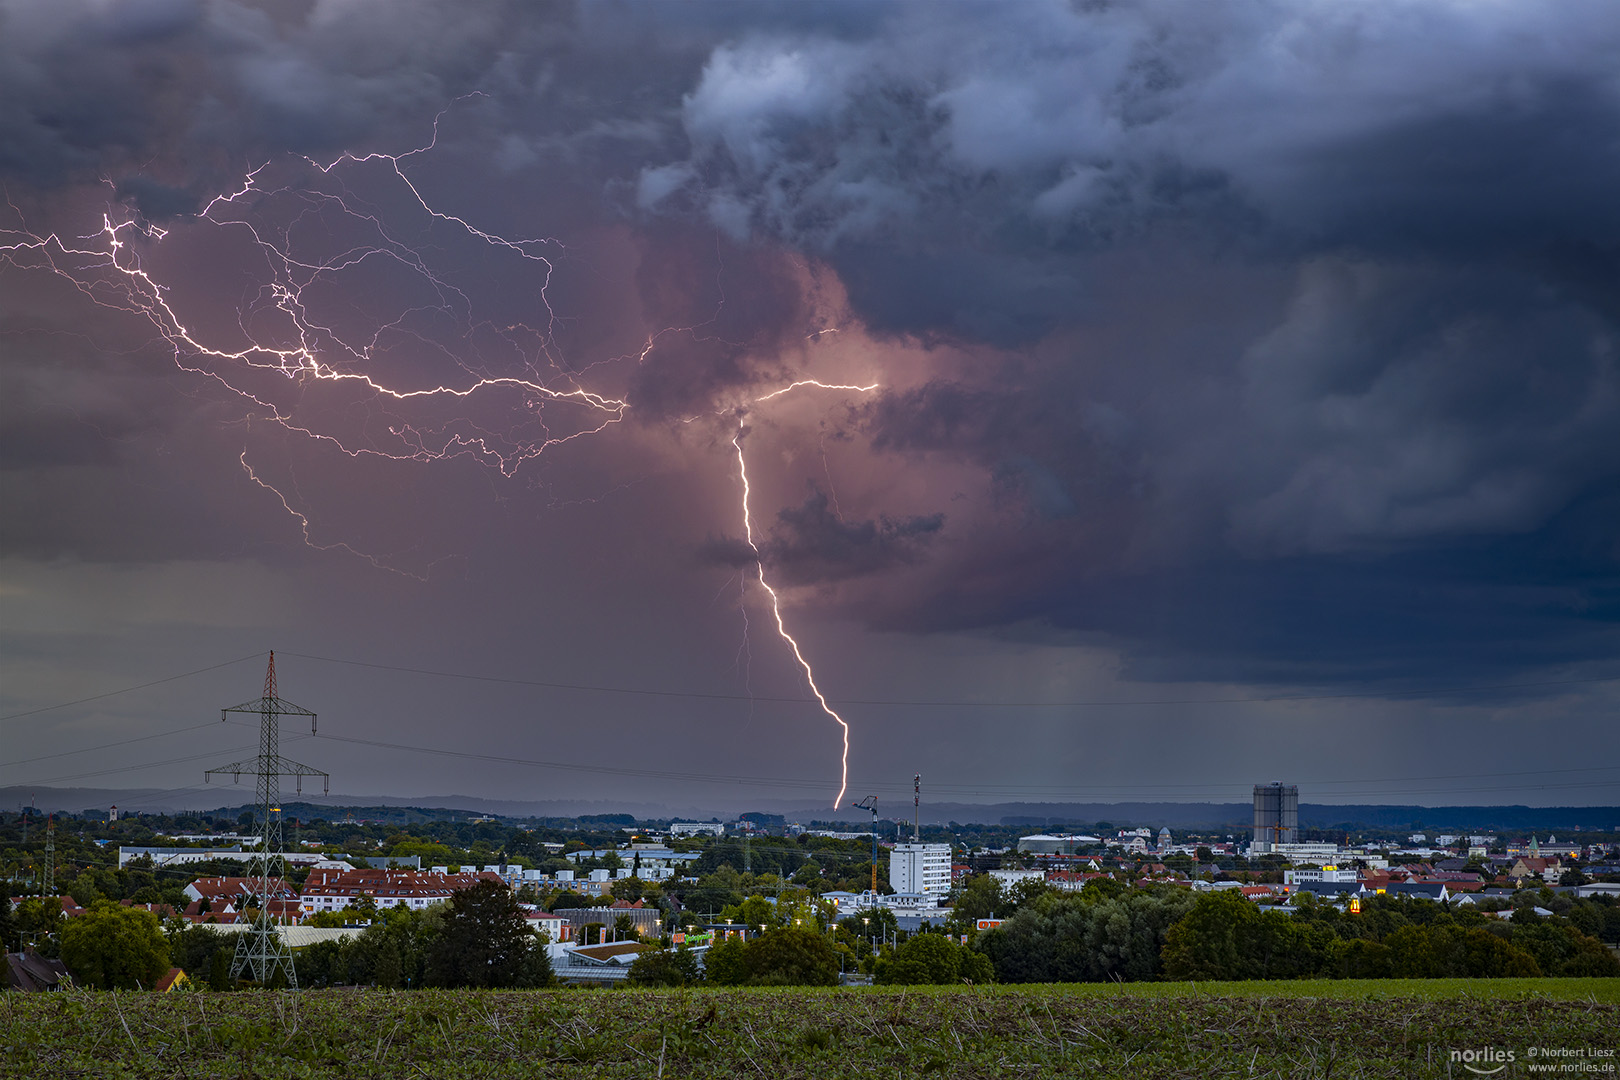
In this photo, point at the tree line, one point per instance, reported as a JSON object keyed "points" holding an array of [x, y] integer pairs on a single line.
{"points": [[1101, 933]]}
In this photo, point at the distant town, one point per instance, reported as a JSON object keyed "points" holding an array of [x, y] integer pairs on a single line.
{"points": [[598, 891]]}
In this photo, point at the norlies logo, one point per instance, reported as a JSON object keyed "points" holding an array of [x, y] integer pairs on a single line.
{"points": [[1486, 1062]]}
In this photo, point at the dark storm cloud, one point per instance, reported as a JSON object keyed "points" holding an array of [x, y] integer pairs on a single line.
{"points": [[1268, 301], [718, 310], [812, 544], [1439, 375], [193, 90]]}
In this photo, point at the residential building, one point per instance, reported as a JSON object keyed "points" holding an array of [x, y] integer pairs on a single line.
{"points": [[920, 868], [334, 890], [1329, 874], [1058, 844], [1009, 878], [696, 828], [1072, 880], [1307, 851], [31, 972], [221, 893], [175, 856]]}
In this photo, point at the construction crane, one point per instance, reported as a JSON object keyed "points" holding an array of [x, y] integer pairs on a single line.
{"points": [[870, 803]]}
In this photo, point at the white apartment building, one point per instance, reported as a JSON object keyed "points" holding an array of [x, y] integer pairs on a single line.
{"points": [[1009, 878], [920, 868], [1307, 851], [696, 828], [334, 890], [1331, 875]]}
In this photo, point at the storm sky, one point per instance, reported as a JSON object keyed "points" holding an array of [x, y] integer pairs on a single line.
{"points": [[1232, 394]]}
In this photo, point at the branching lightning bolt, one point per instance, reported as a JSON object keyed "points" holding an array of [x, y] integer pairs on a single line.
{"points": [[310, 353], [776, 599]]}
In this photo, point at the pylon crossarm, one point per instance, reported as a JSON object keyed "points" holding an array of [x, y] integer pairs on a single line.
{"points": [[235, 768], [297, 771], [270, 704]]}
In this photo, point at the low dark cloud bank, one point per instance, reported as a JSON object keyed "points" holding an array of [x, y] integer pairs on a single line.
{"points": [[1287, 336]]}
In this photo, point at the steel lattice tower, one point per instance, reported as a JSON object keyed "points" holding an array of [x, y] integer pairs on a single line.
{"points": [[50, 856], [260, 950]]}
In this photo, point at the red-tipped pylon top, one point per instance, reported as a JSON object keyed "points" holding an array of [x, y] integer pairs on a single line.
{"points": [[270, 677]]}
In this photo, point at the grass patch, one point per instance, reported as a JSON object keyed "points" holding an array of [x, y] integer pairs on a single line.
{"points": [[1305, 1029], [1598, 990]]}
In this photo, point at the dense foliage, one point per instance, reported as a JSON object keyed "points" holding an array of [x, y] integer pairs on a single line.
{"points": [[666, 967], [115, 948], [478, 939], [484, 941], [933, 959], [1226, 937], [1098, 934], [785, 957]]}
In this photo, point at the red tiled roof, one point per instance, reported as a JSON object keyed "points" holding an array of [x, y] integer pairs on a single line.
{"points": [[389, 884]]}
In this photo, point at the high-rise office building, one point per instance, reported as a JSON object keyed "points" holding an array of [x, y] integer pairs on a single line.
{"points": [[1276, 815]]}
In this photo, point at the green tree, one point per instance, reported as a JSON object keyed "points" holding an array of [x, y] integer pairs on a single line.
{"points": [[725, 963], [979, 897], [1358, 958], [485, 941], [933, 959], [630, 888], [39, 923], [192, 949], [756, 911], [389, 970], [219, 971], [791, 957], [1209, 941], [665, 967], [1089, 937], [1560, 948], [115, 948]]}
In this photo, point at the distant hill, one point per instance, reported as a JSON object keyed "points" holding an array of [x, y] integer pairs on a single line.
{"points": [[1233, 817]]}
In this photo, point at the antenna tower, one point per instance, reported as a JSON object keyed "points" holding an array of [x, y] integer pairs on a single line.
{"points": [[260, 951], [916, 809]]}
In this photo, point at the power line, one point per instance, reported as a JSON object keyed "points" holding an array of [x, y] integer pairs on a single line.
{"points": [[906, 703], [870, 702], [153, 764], [109, 746], [1069, 794], [127, 689], [1089, 791]]}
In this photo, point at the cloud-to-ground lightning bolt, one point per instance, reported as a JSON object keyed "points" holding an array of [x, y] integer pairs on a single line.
{"points": [[310, 353], [776, 600]]}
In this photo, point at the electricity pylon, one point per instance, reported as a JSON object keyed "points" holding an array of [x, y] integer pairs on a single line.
{"points": [[50, 856], [260, 950]]}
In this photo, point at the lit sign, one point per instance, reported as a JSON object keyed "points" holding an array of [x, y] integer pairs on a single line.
{"points": [[988, 924]]}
